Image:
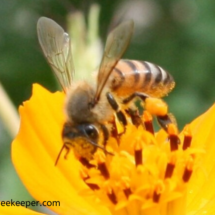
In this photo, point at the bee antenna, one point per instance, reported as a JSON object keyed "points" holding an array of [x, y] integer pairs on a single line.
{"points": [[101, 147], [59, 154]]}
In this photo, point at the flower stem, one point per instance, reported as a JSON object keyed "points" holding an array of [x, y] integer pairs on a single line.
{"points": [[8, 113]]}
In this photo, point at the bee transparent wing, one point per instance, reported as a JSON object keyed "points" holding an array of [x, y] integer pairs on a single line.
{"points": [[56, 47], [115, 47]]}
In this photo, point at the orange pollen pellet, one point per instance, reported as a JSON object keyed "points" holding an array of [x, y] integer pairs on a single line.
{"points": [[156, 106]]}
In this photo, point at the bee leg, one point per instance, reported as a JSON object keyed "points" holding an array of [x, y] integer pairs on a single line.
{"points": [[59, 154], [105, 133], [142, 96], [67, 151], [135, 117], [163, 117], [114, 132], [120, 115], [165, 120], [134, 114]]}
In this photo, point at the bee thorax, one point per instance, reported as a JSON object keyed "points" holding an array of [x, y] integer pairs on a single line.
{"points": [[78, 104]]}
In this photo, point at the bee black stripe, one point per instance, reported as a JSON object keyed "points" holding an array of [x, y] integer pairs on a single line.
{"points": [[168, 78], [134, 69], [117, 84], [159, 75], [148, 75]]}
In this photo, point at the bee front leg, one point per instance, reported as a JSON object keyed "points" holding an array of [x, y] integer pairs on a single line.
{"points": [[105, 133], [67, 151]]}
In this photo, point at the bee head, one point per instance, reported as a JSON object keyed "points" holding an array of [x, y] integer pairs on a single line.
{"points": [[87, 131]]}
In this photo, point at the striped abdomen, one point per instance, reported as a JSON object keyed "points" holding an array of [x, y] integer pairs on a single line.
{"points": [[131, 76]]}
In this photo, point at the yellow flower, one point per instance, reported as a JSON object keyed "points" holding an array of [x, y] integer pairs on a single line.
{"points": [[149, 174]]}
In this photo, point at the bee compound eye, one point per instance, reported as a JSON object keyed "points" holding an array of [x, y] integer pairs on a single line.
{"points": [[91, 131]]}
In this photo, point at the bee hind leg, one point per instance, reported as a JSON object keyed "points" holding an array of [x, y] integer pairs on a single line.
{"points": [[142, 96], [154, 106]]}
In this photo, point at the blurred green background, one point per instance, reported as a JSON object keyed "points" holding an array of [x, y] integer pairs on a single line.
{"points": [[179, 35]]}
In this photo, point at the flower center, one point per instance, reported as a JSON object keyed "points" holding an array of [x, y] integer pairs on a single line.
{"points": [[147, 173]]}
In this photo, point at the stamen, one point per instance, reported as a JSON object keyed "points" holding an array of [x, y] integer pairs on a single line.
{"points": [[138, 153], [157, 192], [112, 196], [85, 177], [101, 158], [93, 186], [170, 167], [156, 197], [104, 171], [126, 186], [86, 163], [147, 118], [187, 138], [173, 137], [188, 170], [187, 174], [127, 192], [169, 170]]}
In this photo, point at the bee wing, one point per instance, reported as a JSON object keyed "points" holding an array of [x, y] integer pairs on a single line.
{"points": [[56, 47], [116, 45]]}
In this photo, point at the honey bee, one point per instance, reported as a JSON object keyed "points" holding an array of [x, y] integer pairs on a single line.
{"points": [[90, 106]]}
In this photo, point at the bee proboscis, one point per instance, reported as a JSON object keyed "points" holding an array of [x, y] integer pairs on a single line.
{"points": [[90, 106]]}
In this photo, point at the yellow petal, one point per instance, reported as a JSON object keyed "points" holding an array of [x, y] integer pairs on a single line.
{"points": [[201, 195], [35, 150]]}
